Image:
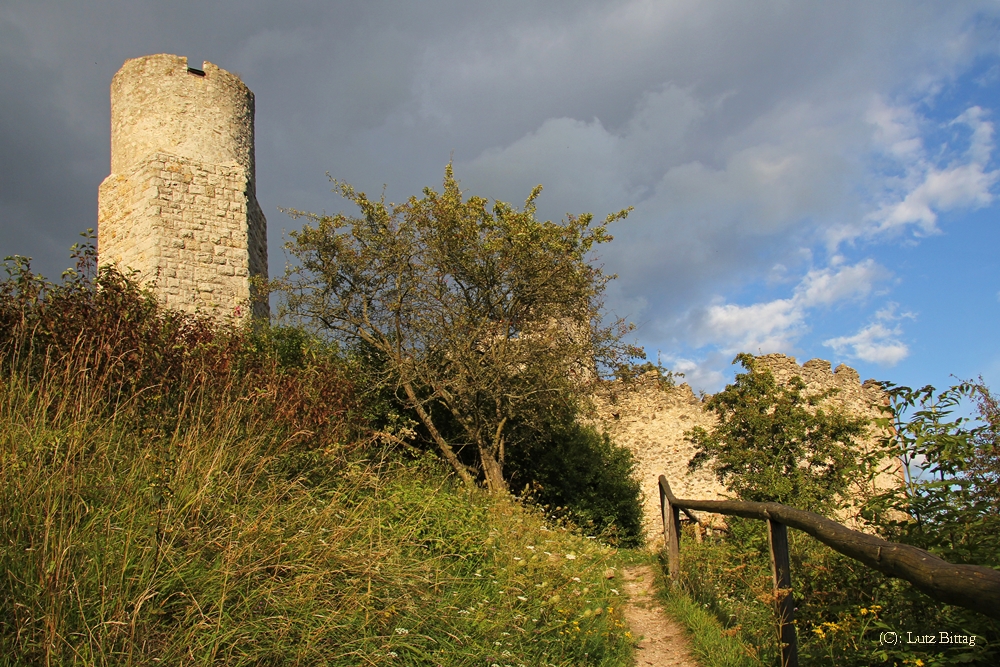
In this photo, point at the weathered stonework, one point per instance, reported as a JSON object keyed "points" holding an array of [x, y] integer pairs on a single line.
{"points": [[651, 421], [180, 206]]}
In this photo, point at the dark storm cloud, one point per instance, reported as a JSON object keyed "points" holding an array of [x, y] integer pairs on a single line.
{"points": [[326, 76], [741, 132], [48, 167]]}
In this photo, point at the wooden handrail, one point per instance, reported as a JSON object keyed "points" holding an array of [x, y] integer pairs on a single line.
{"points": [[971, 586]]}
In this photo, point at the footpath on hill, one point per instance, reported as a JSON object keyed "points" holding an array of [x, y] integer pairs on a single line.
{"points": [[662, 640]]}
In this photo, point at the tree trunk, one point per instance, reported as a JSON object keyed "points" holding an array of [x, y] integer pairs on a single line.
{"points": [[493, 472], [446, 450]]}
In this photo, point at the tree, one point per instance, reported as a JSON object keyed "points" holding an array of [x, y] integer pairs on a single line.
{"points": [[775, 443], [950, 502], [480, 316]]}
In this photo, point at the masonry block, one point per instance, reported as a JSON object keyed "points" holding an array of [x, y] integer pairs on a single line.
{"points": [[182, 168]]}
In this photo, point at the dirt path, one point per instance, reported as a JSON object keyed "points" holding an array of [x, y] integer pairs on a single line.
{"points": [[663, 642]]}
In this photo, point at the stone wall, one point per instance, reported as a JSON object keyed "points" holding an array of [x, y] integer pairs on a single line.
{"points": [[651, 419], [180, 205]]}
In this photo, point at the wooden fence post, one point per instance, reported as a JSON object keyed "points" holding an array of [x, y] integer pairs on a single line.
{"points": [[671, 515], [784, 602]]}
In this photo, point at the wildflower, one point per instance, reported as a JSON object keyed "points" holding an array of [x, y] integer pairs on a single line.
{"points": [[570, 557], [402, 631], [392, 654], [576, 579], [522, 598]]}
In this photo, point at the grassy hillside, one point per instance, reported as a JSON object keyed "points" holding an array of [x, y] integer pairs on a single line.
{"points": [[172, 493]]}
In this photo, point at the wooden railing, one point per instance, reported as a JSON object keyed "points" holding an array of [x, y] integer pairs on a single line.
{"points": [[971, 586]]}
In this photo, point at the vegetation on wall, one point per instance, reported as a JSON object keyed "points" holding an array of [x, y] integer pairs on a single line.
{"points": [[774, 442]]}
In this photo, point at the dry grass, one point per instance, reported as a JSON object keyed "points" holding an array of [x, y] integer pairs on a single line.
{"points": [[204, 519]]}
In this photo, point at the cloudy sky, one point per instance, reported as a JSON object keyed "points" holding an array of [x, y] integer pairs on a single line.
{"points": [[813, 178]]}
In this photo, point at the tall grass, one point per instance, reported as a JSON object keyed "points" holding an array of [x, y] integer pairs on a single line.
{"points": [[174, 493]]}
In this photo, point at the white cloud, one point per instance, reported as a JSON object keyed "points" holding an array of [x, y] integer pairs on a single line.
{"points": [[774, 326], [760, 327], [824, 287], [697, 374], [929, 188], [875, 343]]}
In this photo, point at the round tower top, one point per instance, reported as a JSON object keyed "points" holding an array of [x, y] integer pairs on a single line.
{"points": [[161, 104]]}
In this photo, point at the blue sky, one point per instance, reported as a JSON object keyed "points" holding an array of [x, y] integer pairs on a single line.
{"points": [[911, 293], [818, 179]]}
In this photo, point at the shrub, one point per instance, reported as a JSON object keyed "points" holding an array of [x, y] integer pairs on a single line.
{"points": [[776, 443], [582, 475], [98, 333]]}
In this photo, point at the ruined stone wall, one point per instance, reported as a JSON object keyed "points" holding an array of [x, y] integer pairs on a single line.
{"points": [[180, 205], [651, 419]]}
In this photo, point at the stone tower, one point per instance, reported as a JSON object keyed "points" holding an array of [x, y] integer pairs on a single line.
{"points": [[180, 205]]}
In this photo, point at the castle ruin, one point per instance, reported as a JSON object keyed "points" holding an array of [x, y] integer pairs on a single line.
{"points": [[180, 206], [180, 209], [650, 420]]}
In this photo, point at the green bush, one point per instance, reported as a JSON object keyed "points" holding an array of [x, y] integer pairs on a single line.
{"points": [[582, 475], [100, 334], [776, 443]]}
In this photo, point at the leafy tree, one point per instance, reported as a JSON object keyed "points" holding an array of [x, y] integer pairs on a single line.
{"points": [[480, 316], [984, 468], [950, 502], [776, 443]]}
